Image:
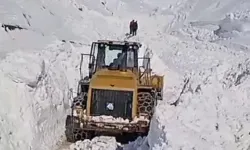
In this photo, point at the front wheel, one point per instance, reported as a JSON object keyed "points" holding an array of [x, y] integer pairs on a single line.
{"points": [[73, 131]]}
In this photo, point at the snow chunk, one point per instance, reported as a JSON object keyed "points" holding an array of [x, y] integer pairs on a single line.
{"points": [[97, 143], [141, 143], [109, 119], [109, 143]]}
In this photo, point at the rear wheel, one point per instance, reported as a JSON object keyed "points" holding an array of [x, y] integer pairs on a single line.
{"points": [[145, 103]]}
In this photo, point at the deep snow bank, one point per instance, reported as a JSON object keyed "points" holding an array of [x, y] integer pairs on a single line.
{"points": [[212, 102], [35, 96], [34, 100], [208, 107], [212, 112]]}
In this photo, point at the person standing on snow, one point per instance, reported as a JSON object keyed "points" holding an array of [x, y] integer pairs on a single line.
{"points": [[135, 28], [131, 25]]}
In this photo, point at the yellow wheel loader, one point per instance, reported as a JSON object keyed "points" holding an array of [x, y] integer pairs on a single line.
{"points": [[118, 97]]}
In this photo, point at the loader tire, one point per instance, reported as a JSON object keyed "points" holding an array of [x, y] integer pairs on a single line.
{"points": [[145, 103], [71, 128], [73, 131]]}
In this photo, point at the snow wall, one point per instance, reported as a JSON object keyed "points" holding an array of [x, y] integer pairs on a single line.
{"points": [[34, 89], [206, 98]]}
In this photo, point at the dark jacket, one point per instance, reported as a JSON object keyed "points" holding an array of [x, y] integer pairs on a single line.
{"points": [[135, 25], [131, 25]]}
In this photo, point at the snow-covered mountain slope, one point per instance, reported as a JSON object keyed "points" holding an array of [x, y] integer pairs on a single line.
{"points": [[43, 22], [204, 58]]}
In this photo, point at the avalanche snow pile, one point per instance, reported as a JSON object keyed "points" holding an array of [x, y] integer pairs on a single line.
{"points": [[35, 96], [210, 109]]}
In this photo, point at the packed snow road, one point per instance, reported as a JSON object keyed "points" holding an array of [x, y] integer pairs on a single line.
{"points": [[200, 46]]}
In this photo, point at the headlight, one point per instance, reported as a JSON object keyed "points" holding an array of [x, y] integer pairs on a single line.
{"points": [[77, 112]]}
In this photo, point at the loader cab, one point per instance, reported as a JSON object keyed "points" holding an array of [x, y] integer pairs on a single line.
{"points": [[114, 56]]}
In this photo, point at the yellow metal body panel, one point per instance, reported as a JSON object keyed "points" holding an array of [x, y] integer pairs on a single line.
{"points": [[157, 81], [154, 81], [114, 80]]}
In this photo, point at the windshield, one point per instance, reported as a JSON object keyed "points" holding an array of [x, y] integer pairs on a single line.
{"points": [[115, 57], [111, 55]]}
